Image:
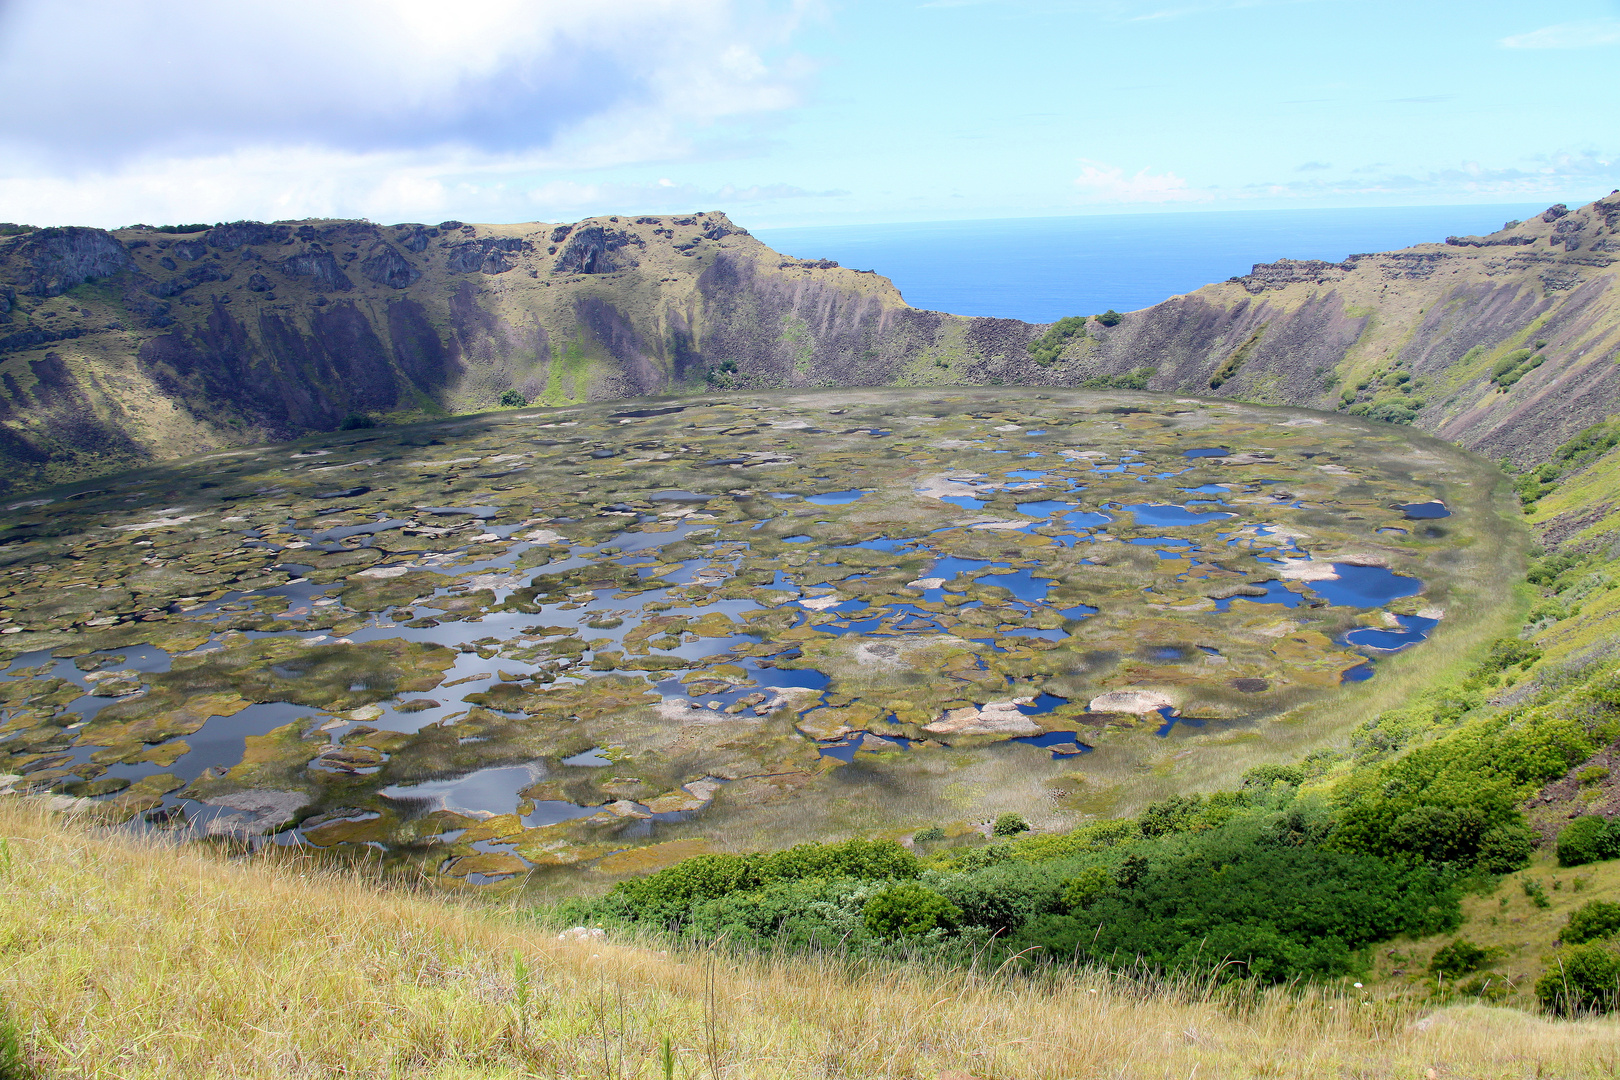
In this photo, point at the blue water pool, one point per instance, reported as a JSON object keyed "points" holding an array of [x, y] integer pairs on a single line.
{"points": [[1160, 515], [1276, 593], [1043, 508], [834, 498], [1414, 629], [1365, 586]]}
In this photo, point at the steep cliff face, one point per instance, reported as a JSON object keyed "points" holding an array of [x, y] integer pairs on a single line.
{"points": [[1506, 343], [127, 346], [141, 343]]}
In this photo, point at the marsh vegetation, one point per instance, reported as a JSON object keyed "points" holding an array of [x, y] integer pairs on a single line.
{"points": [[614, 637]]}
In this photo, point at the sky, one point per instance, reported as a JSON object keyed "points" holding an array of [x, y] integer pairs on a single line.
{"points": [[796, 112]]}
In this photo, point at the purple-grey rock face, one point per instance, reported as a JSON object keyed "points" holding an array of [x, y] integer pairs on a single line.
{"points": [[52, 261]]}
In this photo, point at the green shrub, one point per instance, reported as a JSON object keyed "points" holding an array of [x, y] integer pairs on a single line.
{"points": [[723, 375], [806, 914], [1584, 979], [1046, 349], [511, 399], [1506, 848], [1509, 362], [1110, 317], [909, 910], [1594, 441], [1592, 920], [930, 834], [1135, 379], [1392, 411], [1005, 895], [1461, 957], [1439, 834], [1087, 887], [1190, 813], [1009, 824], [869, 860], [1276, 911], [1515, 366], [670, 894], [355, 421], [1092, 837], [1547, 571], [1509, 652], [1440, 801], [1264, 777], [1587, 839]]}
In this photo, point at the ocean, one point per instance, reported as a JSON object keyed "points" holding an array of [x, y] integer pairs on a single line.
{"points": [[1041, 269]]}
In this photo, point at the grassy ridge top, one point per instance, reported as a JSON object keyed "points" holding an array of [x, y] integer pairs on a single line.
{"points": [[135, 960]]}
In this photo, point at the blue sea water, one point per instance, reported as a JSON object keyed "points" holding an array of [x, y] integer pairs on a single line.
{"points": [[1041, 269]]}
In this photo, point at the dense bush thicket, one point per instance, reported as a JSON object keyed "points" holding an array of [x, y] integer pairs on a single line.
{"points": [[1252, 879], [1296, 873]]}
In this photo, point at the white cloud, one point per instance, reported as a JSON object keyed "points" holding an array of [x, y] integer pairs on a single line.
{"points": [[1570, 35], [1550, 176], [1101, 183], [270, 184], [195, 108]]}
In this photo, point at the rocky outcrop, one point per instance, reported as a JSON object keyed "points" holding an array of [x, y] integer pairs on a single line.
{"points": [[320, 265], [52, 261], [385, 266], [1285, 272]]}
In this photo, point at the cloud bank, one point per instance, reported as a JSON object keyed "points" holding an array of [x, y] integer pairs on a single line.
{"points": [[322, 106]]}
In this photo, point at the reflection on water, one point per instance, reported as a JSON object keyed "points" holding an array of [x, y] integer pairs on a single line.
{"points": [[487, 791]]}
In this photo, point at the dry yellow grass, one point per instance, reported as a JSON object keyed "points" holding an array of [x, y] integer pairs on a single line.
{"points": [[127, 958]]}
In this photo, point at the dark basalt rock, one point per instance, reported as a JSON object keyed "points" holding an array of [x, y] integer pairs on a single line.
{"points": [[320, 265], [385, 266], [413, 237], [57, 260], [246, 234], [597, 250], [190, 250], [1285, 272], [259, 283], [1489, 241], [1554, 212], [197, 275], [490, 255], [29, 339]]}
